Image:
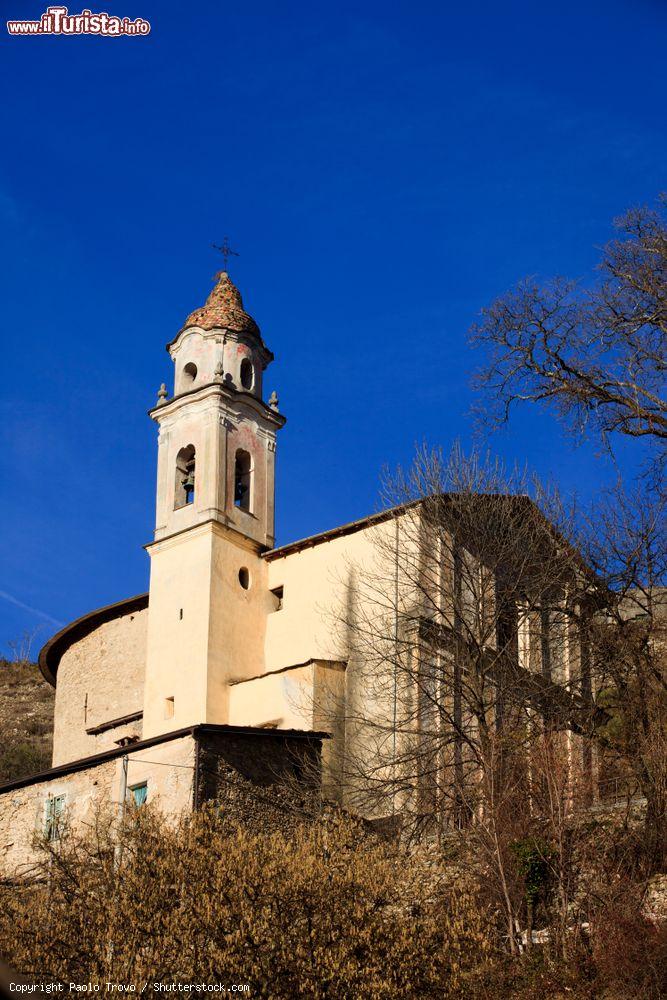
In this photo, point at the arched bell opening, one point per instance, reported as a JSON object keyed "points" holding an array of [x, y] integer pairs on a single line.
{"points": [[184, 491], [243, 480], [247, 374]]}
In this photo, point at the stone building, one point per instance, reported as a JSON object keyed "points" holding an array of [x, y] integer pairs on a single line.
{"points": [[238, 650]]}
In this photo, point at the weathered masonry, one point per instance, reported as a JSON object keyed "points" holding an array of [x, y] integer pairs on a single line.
{"points": [[179, 770]]}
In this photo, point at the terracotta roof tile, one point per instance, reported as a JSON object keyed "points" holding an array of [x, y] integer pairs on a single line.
{"points": [[223, 308]]}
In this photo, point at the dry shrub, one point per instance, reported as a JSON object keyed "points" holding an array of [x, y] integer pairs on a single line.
{"points": [[329, 911], [540, 975], [629, 951]]}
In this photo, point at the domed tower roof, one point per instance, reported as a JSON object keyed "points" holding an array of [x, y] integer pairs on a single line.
{"points": [[223, 310]]}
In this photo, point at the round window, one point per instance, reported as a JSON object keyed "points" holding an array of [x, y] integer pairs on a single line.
{"points": [[246, 374], [244, 577]]}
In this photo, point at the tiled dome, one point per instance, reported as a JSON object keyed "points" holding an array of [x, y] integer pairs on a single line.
{"points": [[223, 308]]}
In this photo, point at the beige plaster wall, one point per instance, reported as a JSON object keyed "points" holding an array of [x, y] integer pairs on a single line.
{"points": [[283, 699], [220, 636], [168, 768], [238, 619], [177, 653], [325, 585], [352, 578], [100, 678], [307, 697]]}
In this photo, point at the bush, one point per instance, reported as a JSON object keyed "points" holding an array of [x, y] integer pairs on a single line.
{"points": [[21, 759], [629, 951], [14, 672], [330, 911]]}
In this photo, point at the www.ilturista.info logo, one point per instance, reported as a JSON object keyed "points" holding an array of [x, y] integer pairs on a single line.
{"points": [[58, 21]]}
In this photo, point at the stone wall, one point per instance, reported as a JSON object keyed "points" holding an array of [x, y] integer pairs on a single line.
{"points": [[265, 781], [100, 678], [167, 768], [261, 778], [23, 811]]}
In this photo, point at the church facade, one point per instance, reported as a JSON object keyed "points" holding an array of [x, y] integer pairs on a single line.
{"points": [[238, 655], [229, 653]]}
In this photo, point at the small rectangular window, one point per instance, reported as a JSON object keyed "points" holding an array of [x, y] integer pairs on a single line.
{"points": [[139, 793], [169, 708], [55, 806], [278, 597]]}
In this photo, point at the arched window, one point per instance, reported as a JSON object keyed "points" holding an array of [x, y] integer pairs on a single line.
{"points": [[189, 373], [243, 480], [247, 374], [184, 491]]}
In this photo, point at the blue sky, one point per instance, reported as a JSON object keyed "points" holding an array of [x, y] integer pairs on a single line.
{"points": [[385, 170]]}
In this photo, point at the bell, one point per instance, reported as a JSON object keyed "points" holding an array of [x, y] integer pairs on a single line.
{"points": [[189, 482]]}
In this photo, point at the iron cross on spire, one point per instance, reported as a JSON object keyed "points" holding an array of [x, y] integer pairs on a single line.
{"points": [[225, 250]]}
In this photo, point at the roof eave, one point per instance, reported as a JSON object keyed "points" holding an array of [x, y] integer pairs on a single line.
{"points": [[52, 651]]}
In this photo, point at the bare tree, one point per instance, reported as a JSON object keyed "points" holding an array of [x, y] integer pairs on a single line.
{"points": [[465, 647], [22, 647], [596, 354], [625, 542]]}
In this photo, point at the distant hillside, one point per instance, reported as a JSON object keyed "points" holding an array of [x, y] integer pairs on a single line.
{"points": [[26, 720]]}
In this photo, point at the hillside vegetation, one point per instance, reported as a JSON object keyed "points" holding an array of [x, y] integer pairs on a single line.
{"points": [[26, 719]]}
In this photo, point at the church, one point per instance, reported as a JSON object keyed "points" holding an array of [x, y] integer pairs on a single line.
{"points": [[237, 656]]}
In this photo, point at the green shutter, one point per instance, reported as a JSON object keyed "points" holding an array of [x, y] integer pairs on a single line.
{"points": [[140, 793], [55, 805]]}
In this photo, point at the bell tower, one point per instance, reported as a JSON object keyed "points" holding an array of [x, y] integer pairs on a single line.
{"points": [[214, 516]]}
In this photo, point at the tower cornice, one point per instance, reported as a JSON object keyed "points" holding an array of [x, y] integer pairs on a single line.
{"points": [[221, 334], [211, 524], [218, 390]]}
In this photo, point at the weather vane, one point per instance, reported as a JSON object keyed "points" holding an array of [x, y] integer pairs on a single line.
{"points": [[225, 250]]}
